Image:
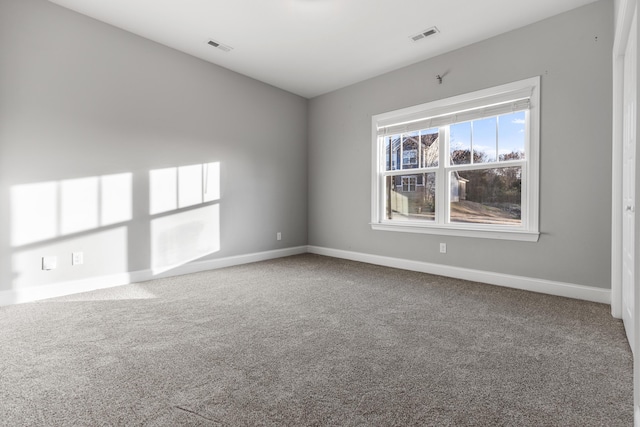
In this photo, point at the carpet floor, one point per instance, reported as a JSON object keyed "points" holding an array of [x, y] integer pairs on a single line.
{"points": [[313, 341]]}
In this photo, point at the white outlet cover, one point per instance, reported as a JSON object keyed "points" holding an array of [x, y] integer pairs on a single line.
{"points": [[49, 262], [77, 258]]}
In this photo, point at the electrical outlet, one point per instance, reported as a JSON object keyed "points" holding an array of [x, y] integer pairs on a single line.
{"points": [[278, 235], [49, 262], [443, 248], [77, 258]]}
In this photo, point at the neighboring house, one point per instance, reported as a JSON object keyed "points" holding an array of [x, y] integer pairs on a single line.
{"points": [[416, 150], [458, 187], [413, 195]]}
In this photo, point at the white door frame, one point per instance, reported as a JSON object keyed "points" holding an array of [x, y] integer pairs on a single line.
{"points": [[627, 9], [623, 25]]}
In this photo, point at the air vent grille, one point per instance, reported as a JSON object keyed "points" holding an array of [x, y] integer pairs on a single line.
{"points": [[219, 45], [424, 34]]}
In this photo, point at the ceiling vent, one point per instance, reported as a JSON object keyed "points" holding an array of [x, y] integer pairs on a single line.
{"points": [[424, 34], [219, 45]]}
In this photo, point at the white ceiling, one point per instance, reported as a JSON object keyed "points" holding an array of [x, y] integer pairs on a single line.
{"points": [[311, 47]]}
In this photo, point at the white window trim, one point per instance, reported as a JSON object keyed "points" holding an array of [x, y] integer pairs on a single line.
{"points": [[529, 228]]}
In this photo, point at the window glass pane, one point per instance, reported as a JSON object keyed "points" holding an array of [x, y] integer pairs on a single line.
{"points": [[410, 150], [429, 148], [460, 143], [392, 152], [511, 131], [487, 196], [484, 140], [411, 197]]}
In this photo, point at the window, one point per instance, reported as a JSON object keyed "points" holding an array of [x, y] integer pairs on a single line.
{"points": [[409, 183], [473, 162]]}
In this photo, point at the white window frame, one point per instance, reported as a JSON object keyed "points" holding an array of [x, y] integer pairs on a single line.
{"points": [[479, 104]]}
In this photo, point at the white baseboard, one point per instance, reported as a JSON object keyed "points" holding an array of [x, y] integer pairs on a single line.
{"points": [[569, 290], [35, 293], [212, 264]]}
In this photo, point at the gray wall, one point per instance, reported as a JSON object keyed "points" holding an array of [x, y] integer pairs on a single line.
{"points": [[572, 53], [79, 98]]}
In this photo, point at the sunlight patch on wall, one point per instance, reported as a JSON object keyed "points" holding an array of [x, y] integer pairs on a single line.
{"points": [[194, 231], [189, 186], [163, 188], [211, 182], [183, 237], [48, 210], [116, 197], [78, 205], [184, 186]]}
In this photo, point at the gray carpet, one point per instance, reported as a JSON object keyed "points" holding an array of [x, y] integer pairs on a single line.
{"points": [[311, 340]]}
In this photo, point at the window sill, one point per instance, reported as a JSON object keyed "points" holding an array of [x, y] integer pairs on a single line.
{"points": [[519, 235]]}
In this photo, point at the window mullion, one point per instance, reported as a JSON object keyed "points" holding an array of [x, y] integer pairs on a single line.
{"points": [[497, 138], [471, 145], [382, 193], [491, 165], [409, 172], [441, 175], [420, 149], [401, 160]]}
